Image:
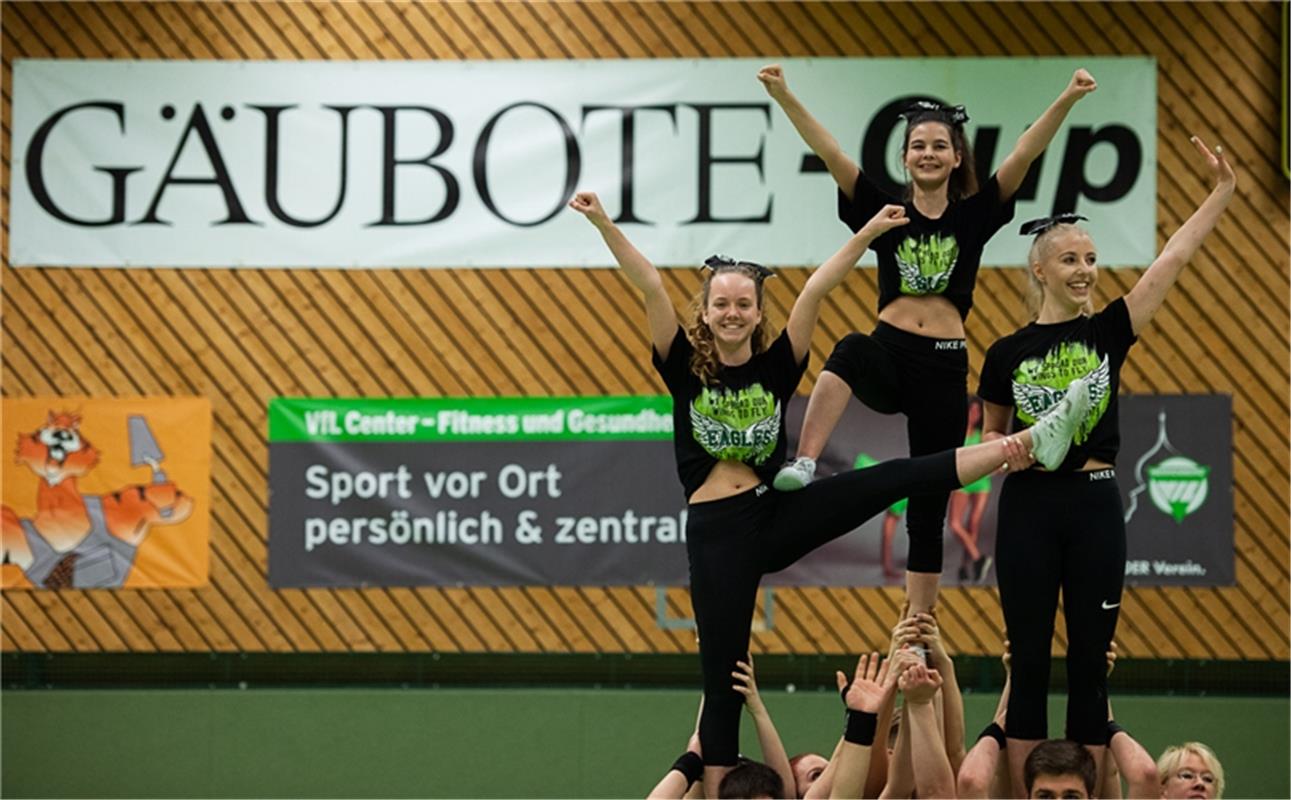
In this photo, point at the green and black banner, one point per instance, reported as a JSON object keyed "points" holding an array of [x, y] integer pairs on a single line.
{"points": [[584, 491], [484, 491]]}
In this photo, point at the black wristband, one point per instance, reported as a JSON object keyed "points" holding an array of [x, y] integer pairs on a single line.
{"points": [[995, 732], [1113, 728], [690, 765], [860, 727]]}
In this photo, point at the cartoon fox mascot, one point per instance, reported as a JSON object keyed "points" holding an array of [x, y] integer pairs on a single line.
{"points": [[78, 541]]}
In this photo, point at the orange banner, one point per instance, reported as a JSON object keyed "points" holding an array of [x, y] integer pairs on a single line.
{"points": [[106, 493]]}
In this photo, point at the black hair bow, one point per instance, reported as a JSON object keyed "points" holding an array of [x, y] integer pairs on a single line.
{"points": [[955, 115], [760, 273], [1036, 227]]}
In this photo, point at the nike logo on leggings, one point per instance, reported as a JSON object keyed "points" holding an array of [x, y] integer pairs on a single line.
{"points": [[1109, 606]]}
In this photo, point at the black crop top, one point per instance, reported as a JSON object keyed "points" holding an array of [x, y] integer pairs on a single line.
{"points": [[742, 419], [1030, 370], [929, 256]]}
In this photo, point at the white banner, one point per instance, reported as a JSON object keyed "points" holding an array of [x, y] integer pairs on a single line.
{"points": [[470, 163]]}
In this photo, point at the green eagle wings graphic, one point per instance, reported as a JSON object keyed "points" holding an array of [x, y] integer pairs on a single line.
{"points": [[1034, 400], [724, 441], [926, 264]]}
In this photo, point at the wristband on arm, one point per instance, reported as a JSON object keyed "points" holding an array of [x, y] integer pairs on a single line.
{"points": [[690, 765], [1113, 728], [995, 732], [860, 727]]}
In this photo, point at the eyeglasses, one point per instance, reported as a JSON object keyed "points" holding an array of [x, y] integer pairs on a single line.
{"points": [[1188, 776], [718, 261], [956, 115], [1036, 227]]}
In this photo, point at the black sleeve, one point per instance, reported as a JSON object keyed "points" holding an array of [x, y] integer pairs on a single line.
{"points": [[996, 385], [987, 212], [1116, 320], [673, 369], [865, 202]]}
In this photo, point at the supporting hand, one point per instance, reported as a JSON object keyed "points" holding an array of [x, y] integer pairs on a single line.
{"points": [[919, 684]]}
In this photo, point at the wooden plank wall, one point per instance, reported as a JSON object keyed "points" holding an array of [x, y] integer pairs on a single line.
{"points": [[241, 337]]}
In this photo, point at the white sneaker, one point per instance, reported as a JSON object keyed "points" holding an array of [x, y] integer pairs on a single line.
{"points": [[1051, 435], [795, 475]]}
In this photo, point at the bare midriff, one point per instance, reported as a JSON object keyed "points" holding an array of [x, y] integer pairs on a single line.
{"points": [[928, 315], [726, 479], [1094, 464]]}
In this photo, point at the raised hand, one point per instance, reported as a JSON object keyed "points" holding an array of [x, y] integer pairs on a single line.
{"points": [[1007, 658], [772, 78], [930, 635], [905, 658], [1082, 83], [906, 632], [1219, 166], [589, 205], [889, 217], [1111, 658], [869, 687], [746, 685], [919, 684]]}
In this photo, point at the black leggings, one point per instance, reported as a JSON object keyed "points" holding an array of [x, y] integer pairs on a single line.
{"points": [[894, 371], [734, 541], [1063, 530]]}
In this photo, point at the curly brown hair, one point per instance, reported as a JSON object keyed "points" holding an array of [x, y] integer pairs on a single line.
{"points": [[704, 362]]}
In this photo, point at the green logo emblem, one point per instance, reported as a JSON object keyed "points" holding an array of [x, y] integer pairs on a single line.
{"points": [[1177, 485], [1039, 383], [925, 264], [736, 425]]}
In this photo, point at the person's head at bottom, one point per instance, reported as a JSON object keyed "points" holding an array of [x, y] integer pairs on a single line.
{"points": [[807, 768], [751, 780], [1190, 769], [1059, 768]]}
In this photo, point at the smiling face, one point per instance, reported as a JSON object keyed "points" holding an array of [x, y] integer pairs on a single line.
{"points": [[1066, 265], [930, 155], [56, 451], [731, 310]]}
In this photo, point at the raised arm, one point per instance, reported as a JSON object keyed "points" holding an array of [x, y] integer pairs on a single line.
{"points": [[821, 142], [773, 752], [1036, 138], [984, 772], [878, 777], [1134, 762], [1150, 291], [864, 696], [681, 779], [660, 312], [932, 774], [806, 309], [900, 782], [951, 698]]}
